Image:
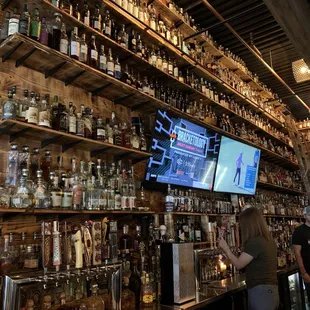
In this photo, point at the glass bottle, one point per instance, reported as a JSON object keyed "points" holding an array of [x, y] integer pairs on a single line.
{"points": [[93, 195], [79, 125], [76, 187], [72, 119], [146, 291], [117, 69], [66, 6], [117, 135], [125, 136], [110, 63], [41, 198], [64, 41], [63, 118], [32, 113], [143, 142], [83, 49], [35, 26], [31, 258], [88, 124], [67, 196], [97, 19], [125, 241], [24, 160], [100, 130], [102, 60], [34, 163], [107, 23], [23, 197], [139, 45], [122, 37], [75, 44], [56, 31], [93, 53], [9, 107], [56, 193], [13, 23], [75, 10], [128, 297], [86, 14], [44, 34], [5, 26], [6, 263], [24, 22], [55, 114], [12, 166], [169, 200], [134, 139], [44, 114], [135, 284], [46, 164], [95, 302], [132, 41]]}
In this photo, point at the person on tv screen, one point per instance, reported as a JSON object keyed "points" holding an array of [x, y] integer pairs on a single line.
{"points": [[239, 163], [256, 158]]}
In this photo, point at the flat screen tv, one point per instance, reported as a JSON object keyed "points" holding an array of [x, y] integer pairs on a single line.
{"points": [[237, 168], [183, 153]]}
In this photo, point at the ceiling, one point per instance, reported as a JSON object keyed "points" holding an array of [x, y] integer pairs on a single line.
{"points": [[253, 16]]}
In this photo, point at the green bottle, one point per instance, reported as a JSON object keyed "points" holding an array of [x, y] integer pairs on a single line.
{"points": [[35, 27]]}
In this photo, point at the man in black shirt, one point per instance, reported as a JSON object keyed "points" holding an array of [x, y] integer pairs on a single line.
{"points": [[301, 243]]}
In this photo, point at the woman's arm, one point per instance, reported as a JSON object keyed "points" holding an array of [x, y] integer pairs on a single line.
{"points": [[239, 262]]}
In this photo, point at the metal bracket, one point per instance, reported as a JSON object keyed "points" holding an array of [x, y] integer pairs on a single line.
{"points": [[6, 129], [17, 134], [119, 99], [98, 90], [9, 53], [137, 160], [46, 142], [21, 60], [50, 72], [73, 78], [97, 152], [138, 106], [68, 146]]}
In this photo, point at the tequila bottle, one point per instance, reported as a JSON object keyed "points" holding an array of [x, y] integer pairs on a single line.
{"points": [[34, 163], [23, 197], [24, 160], [9, 107], [42, 200], [12, 166]]}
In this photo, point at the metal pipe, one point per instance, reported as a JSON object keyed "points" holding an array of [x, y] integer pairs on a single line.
{"points": [[221, 18]]}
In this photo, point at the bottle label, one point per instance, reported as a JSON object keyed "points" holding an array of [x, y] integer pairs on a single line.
{"points": [[86, 20], [24, 27], [132, 202], [100, 132], [35, 29], [147, 297], [31, 263], [94, 54], [80, 127], [103, 62], [32, 115], [110, 66], [135, 143], [43, 119], [72, 124], [66, 201], [118, 202], [84, 49], [125, 203], [77, 194], [13, 26], [97, 25], [170, 69], [64, 46], [9, 111], [153, 24], [176, 72], [198, 235], [107, 30], [56, 198], [75, 48], [63, 123], [88, 124]]}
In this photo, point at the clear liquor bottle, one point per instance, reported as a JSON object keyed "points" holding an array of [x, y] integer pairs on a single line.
{"points": [[109, 132], [12, 166], [56, 193], [66, 202], [35, 159], [23, 106], [134, 140], [131, 192], [23, 198], [32, 113], [45, 112], [9, 107], [75, 44], [102, 60], [169, 200], [24, 160], [88, 124], [42, 199], [93, 195]]}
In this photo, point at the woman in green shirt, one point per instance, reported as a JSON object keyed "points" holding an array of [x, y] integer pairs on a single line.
{"points": [[259, 258]]}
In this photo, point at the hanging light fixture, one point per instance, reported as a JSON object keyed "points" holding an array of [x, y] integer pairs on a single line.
{"points": [[301, 71]]}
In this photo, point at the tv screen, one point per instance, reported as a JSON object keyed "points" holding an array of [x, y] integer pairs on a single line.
{"points": [[183, 153], [237, 168]]}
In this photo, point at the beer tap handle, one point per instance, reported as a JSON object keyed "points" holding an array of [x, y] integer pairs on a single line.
{"points": [[88, 245], [77, 240]]}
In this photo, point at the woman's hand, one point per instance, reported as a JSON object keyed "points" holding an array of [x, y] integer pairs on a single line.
{"points": [[223, 244]]}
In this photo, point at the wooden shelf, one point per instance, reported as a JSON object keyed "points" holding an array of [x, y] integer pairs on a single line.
{"points": [[46, 136], [194, 214], [201, 243], [56, 211], [283, 216], [42, 58], [279, 188]]}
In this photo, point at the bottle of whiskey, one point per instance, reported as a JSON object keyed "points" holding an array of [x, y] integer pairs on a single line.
{"points": [[110, 64], [13, 23], [102, 60], [79, 125], [35, 26], [44, 113], [32, 113], [83, 49], [75, 44], [97, 19], [64, 42], [24, 22], [134, 139], [63, 118], [107, 24], [72, 119], [86, 14], [93, 53]]}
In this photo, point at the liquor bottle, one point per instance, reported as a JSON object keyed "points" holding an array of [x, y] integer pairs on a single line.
{"points": [[44, 34], [110, 64], [122, 37], [97, 19], [102, 60], [132, 44], [79, 125], [93, 53], [83, 49], [117, 136], [5, 258], [143, 142], [88, 124], [44, 112], [64, 42], [169, 200], [12, 166], [128, 296], [66, 6], [75, 10], [41, 198], [34, 163], [72, 119], [35, 26], [32, 113], [146, 290], [55, 2], [23, 197], [100, 130], [23, 160], [9, 107], [134, 139], [117, 69], [139, 46], [126, 244], [5, 27], [76, 187], [13, 23], [63, 118], [46, 165], [86, 14], [67, 196], [31, 258], [56, 192], [55, 114], [75, 44], [24, 22]]}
